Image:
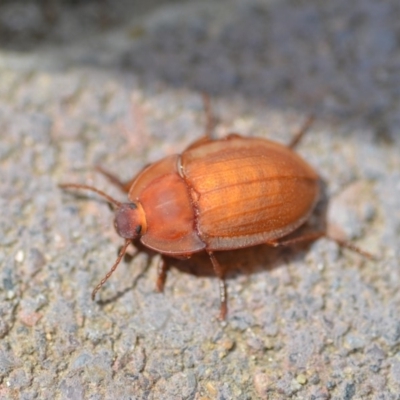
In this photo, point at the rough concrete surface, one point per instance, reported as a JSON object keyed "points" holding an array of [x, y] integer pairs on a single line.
{"points": [[118, 84]]}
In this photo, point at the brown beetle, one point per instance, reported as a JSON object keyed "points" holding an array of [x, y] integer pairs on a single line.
{"points": [[217, 195]]}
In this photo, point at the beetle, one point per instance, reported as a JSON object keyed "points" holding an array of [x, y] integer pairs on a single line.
{"points": [[217, 195]]}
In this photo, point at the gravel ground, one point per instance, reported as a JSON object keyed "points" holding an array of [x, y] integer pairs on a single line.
{"points": [[119, 85]]}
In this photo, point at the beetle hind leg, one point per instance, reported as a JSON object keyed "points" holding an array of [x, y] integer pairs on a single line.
{"points": [[310, 237], [223, 296], [302, 131], [210, 118]]}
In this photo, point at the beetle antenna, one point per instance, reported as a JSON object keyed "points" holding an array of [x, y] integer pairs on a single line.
{"points": [[91, 188], [114, 267]]}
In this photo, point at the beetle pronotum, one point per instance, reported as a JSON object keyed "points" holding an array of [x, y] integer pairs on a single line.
{"points": [[217, 195]]}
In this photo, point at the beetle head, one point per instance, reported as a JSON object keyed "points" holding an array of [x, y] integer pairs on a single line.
{"points": [[130, 221]]}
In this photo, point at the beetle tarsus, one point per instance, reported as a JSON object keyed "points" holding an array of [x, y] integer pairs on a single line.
{"points": [[223, 300], [310, 237], [223, 296], [350, 246]]}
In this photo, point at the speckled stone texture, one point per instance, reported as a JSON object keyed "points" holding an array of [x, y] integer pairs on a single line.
{"points": [[118, 84]]}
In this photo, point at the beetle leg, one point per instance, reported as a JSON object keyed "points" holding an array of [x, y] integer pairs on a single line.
{"points": [[303, 130], [163, 268], [116, 181], [210, 124], [350, 246], [309, 237], [210, 119], [222, 285]]}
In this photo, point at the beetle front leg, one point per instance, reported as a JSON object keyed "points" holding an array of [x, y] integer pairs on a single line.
{"points": [[163, 268], [223, 296], [124, 186]]}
